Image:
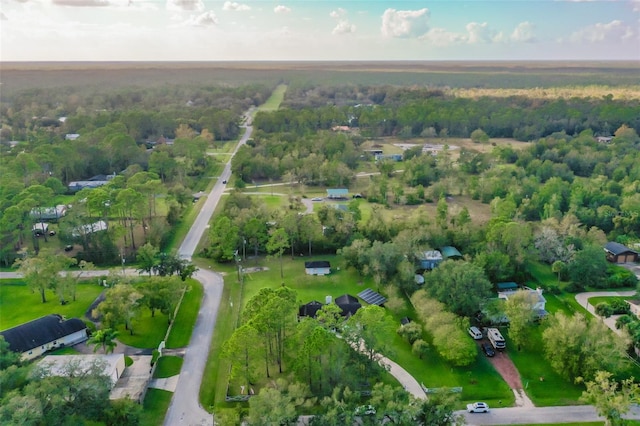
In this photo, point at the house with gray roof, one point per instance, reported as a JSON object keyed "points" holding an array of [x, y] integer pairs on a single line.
{"points": [[619, 253], [41, 335]]}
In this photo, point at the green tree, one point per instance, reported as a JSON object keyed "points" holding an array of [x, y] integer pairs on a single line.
{"points": [[577, 348], [42, 273], [120, 306], [147, 258], [519, 309], [224, 239], [588, 268], [277, 405], [368, 331], [278, 243], [104, 338], [479, 136], [611, 399], [461, 286], [241, 350]]}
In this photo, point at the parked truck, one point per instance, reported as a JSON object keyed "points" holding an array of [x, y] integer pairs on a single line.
{"points": [[496, 339]]}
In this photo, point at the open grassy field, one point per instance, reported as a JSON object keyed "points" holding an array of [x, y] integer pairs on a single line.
{"points": [[167, 366], [148, 331], [19, 305], [468, 74], [274, 101]]}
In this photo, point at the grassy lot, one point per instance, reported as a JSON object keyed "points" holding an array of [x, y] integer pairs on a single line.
{"points": [[167, 366], [156, 403], [532, 365], [185, 320], [274, 101], [479, 380], [595, 300], [64, 351], [19, 305], [148, 331]]}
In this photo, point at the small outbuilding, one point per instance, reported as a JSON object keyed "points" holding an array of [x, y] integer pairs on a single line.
{"points": [[317, 267], [40, 228], [619, 253], [348, 304], [450, 252], [112, 365], [430, 259], [310, 309], [36, 337]]}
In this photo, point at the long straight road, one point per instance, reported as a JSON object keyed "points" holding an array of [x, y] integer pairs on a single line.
{"points": [[185, 407]]}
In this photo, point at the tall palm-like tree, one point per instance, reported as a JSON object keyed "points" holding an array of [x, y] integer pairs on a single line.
{"points": [[104, 339]]}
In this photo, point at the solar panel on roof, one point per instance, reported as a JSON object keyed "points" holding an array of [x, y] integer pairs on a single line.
{"points": [[371, 297]]}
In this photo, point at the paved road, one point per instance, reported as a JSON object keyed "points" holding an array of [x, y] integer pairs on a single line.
{"points": [[185, 408], [583, 300], [541, 415]]}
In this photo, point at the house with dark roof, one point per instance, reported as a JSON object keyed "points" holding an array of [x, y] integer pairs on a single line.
{"points": [[348, 304], [317, 267], [619, 253], [36, 337], [310, 309]]}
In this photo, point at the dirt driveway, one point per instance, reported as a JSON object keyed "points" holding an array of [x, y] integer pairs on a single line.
{"points": [[507, 369]]}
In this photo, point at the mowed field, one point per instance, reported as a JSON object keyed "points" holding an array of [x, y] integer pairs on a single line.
{"points": [[18, 76]]}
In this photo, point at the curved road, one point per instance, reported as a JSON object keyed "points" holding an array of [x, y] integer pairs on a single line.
{"points": [[583, 300], [185, 408]]}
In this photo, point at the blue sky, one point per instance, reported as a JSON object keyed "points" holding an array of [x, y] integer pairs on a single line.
{"points": [[204, 30]]}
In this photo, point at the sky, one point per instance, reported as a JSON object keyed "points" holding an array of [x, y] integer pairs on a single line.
{"points": [[205, 30]]}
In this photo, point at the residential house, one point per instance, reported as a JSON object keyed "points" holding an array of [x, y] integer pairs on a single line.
{"points": [[317, 267], [348, 304], [112, 365], [48, 213], [36, 337], [619, 253], [71, 136], [538, 299], [392, 157], [92, 182], [310, 309], [429, 259], [604, 139], [337, 193]]}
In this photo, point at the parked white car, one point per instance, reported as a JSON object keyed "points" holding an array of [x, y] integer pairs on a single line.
{"points": [[478, 407], [475, 333]]}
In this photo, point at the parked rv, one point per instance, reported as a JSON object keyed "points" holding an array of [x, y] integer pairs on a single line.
{"points": [[496, 339]]}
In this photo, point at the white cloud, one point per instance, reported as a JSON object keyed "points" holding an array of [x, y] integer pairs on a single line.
{"points": [[405, 23], [613, 31], [479, 33], [344, 27], [523, 33], [232, 5], [281, 9], [337, 14], [182, 5], [82, 3], [206, 19], [442, 37]]}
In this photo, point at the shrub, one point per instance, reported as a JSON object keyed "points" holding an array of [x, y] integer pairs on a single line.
{"points": [[604, 309]]}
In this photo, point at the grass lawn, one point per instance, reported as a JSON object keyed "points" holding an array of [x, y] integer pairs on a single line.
{"points": [[216, 373], [532, 365], [148, 331], [274, 101], [64, 351], [184, 322], [155, 406], [19, 305], [167, 366], [608, 299]]}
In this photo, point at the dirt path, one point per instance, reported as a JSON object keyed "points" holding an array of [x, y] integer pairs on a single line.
{"points": [[507, 369]]}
